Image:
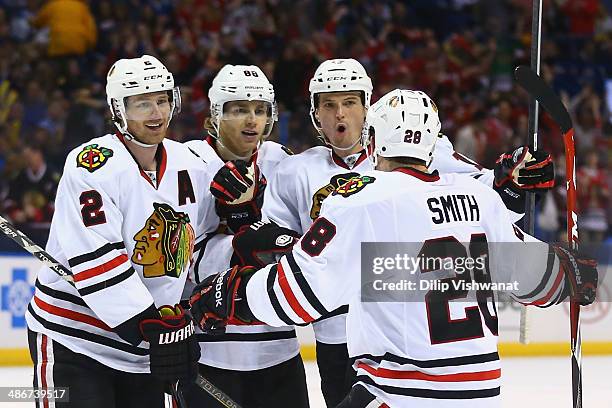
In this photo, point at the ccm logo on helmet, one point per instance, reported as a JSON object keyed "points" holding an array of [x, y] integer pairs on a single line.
{"points": [[337, 79], [148, 78], [176, 336]]}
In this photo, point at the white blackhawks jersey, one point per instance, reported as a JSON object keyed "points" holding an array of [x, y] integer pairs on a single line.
{"points": [[127, 239], [242, 347], [400, 356], [294, 196]]}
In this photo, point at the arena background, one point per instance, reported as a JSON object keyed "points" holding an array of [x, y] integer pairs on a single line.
{"points": [[461, 52]]}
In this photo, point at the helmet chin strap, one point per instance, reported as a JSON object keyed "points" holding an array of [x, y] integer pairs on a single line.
{"points": [[123, 128], [128, 136]]}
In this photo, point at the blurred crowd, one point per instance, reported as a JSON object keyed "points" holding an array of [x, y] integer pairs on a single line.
{"points": [[54, 56]]}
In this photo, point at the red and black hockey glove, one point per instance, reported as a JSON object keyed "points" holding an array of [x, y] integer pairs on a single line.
{"points": [[520, 171], [262, 243], [239, 190], [222, 297], [580, 275], [232, 181], [525, 169], [173, 348]]}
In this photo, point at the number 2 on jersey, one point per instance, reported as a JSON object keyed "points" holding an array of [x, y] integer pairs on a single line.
{"points": [[92, 212]]}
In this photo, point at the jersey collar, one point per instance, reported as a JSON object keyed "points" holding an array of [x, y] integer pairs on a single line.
{"points": [[421, 175], [161, 158], [351, 161]]}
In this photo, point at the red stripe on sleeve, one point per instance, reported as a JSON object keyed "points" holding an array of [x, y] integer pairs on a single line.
{"points": [[417, 375], [70, 314], [291, 299], [100, 269]]}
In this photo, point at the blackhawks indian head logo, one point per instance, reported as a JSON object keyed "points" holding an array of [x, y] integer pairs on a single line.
{"points": [[165, 244], [93, 157], [322, 193], [354, 185]]}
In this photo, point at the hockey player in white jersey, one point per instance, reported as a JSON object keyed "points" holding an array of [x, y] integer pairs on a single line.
{"points": [[340, 93], [256, 365], [128, 212], [404, 356]]}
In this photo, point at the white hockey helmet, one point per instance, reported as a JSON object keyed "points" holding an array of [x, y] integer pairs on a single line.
{"points": [[241, 83], [338, 75], [136, 76], [403, 123]]}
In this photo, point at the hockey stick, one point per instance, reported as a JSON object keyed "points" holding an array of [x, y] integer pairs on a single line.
{"points": [[26, 243], [532, 142], [537, 88]]}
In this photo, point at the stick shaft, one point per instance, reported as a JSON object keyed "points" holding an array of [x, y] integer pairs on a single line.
{"points": [[26, 243], [533, 142], [572, 239]]}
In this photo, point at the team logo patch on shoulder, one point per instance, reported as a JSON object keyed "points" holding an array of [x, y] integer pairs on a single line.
{"points": [[354, 185], [93, 157], [322, 193]]}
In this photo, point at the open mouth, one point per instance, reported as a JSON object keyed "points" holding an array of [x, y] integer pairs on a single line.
{"points": [[154, 126], [341, 128], [249, 133]]}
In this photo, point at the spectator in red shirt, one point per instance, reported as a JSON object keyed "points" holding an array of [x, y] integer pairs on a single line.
{"points": [[593, 199]]}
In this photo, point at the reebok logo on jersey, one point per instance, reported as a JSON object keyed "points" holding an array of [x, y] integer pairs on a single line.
{"points": [[92, 157], [178, 335], [218, 292]]}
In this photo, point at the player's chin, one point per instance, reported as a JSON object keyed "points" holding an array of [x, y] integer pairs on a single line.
{"points": [[155, 136], [249, 142], [342, 139]]}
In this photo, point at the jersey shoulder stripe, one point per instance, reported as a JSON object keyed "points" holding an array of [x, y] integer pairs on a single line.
{"points": [[107, 283], [98, 253]]}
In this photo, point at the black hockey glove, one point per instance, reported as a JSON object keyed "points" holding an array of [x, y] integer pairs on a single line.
{"points": [[262, 243], [239, 190], [220, 298], [522, 170], [173, 348], [525, 169], [580, 275]]}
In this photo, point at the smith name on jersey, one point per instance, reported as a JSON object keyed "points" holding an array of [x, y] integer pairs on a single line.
{"points": [[302, 182], [242, 347], [128, 238], [419, 353]]}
